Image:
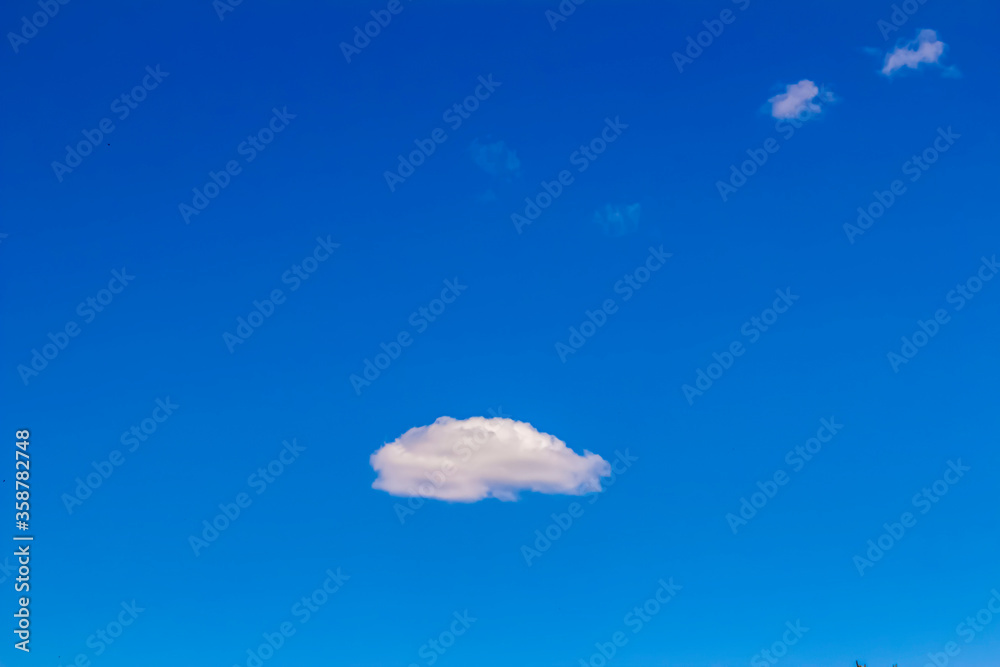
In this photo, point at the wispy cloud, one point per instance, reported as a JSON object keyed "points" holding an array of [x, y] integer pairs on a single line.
{"points": [[926, 48], [616, 220], [798, 98], [467, 460], [495, 158]]}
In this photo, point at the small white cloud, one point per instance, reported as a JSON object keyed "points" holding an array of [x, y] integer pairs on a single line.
{"points": [[466, 460], [495, 158], [797, 99], [926, 48], [618, 220]]}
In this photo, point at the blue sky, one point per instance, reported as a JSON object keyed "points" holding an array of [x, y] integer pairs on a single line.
{"points": [[245, 254]]}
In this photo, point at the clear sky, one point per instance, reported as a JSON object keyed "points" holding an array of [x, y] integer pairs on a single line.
{"points": [[242, 237]]}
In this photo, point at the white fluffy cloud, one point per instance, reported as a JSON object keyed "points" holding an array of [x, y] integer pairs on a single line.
{"points": [[926, 48], [797, 98], [466, 460]]}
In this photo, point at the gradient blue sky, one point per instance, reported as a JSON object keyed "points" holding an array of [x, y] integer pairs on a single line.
{"points": [[494, 348]]}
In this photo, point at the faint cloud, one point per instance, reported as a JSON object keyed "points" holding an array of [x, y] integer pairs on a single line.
{"points": [[616, 220], [495, 158], [797, 99], [467, 460], [926, 48]]}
